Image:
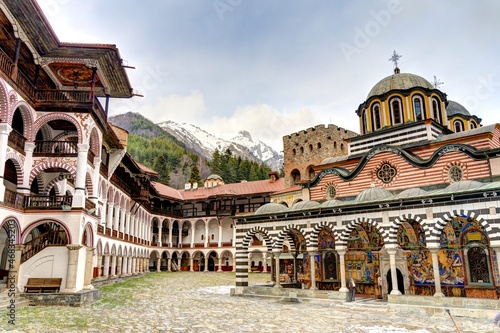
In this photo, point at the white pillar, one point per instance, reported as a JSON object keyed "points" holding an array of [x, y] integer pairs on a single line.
{"points": [[264, 262], [219, 243], [313, 269], [169, 236], [169, 264], [435, 268], [109, 217], [29, 147], [121, 224], [87, 281], [234, 234], [277, 269], [219, 269], [113, 265], [191, 268], [105, 268], [73, 252], [126, 226], [159, 235], [343, 281], [5, 130], [394, 274], [206, 264], [206, 236], [192, 235], [180, 237], [119, 265], [81, 170]]}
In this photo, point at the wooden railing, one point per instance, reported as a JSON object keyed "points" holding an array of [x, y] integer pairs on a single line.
{"points": [[47, 201], [89, 204], [13, 199], [16, 141], [49, 238], [55, 148]]}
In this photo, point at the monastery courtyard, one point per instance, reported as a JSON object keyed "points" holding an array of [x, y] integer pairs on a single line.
{"points": [[201, 302]]}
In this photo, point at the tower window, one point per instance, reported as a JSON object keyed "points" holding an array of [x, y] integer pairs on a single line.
{"points": [[458, 125], [417, 107], [436, 110], [396, 111], [377, 124]]}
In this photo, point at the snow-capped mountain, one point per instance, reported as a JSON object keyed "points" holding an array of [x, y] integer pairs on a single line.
{"points": [[241, 143]]}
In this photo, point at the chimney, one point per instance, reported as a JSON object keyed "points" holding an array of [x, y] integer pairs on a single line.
{"points": [[187, 186]]}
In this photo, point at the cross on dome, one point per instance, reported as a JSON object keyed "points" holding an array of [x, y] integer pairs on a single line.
{"points": [[437, 82], [394, 58]]}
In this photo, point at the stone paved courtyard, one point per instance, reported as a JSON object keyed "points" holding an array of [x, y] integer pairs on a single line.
{"points": [[200, 302]]}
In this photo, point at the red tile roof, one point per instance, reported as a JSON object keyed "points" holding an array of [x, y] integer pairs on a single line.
{"points": [[235, 189]]}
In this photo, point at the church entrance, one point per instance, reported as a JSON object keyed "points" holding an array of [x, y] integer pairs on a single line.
{"points": [[401, 283]]}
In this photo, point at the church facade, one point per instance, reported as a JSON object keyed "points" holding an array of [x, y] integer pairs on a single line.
{"points": [[410, 208]]}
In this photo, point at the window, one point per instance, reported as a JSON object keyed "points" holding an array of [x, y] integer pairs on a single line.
{"points": [[478, 264], [319, 145], [330, 191], [436, 110], [473, 125], [310, 147], [386, 173], [302, 150], [295, 176], [294, 151], [455, 173], [396, 111], [458, 125], [418, 108], [365, 122], [377, 124]]}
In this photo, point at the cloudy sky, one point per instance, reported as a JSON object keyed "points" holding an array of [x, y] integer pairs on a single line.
{"points": [[276, 67]]}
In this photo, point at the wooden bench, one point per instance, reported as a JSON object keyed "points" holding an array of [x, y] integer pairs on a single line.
{"points": [[43, 285]]}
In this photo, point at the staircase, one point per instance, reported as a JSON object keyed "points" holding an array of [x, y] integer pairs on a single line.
{"points": [[5, 299], [55, 235]]}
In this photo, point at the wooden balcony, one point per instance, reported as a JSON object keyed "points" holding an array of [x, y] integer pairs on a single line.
{"points": [[16, 141], [55, 148], [27, 202], [140, 194]]}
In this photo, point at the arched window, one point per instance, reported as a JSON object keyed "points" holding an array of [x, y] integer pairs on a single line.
{"points": [[458, 125], [396, 111], [377, 124], [436, 110], [418, 108], [310, 172], [294, 151], [310, 147], [473, 125], [364, 119], [295, 176], [302, 150], [319, 145]]}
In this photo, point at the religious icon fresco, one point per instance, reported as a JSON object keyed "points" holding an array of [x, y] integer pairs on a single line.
{"points": [[362, 261]]}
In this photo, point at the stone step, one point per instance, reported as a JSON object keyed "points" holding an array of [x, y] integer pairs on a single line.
{"points": [[5, 301]]}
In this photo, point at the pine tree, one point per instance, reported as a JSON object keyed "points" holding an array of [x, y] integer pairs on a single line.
{"points": [[160, 165], [195, 176]]}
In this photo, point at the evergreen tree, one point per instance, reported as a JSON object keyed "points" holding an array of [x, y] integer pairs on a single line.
{"points": [[195, 176], [160, 165]]}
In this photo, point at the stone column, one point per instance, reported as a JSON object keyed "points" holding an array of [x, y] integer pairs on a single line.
{"points": [[72, 267], [180, 237], [169, 264], [394, 274], [81, 171], [87, 280], [5, 130], [191, 268], [264, 262], [134, 265], [206, 264], [219, 243], [435, 268], [121, 224], [105, 266], [169, 236], [14, 268], [128, 265], [29, 147], [113, 265], [207, 240], [249, 266], [158, 265], [313, 269], [219, 269], [234, 235], [109, 217], [277, 269], [126, 226], [343, 281], [234, 264], [192, 235], [159, 243], [99, 265], [119, 265]]}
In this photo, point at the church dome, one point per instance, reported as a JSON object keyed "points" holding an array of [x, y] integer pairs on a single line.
{"points": [[455, 108], [373, 194], [271, 208], [305, 205], [399, 81]]}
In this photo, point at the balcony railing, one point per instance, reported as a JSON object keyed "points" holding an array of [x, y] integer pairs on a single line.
{"points": [[22, 201], [55, 148], [16, 141]]}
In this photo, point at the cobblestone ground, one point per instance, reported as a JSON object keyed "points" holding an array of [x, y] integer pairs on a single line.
{"points": [[183, 302]]}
